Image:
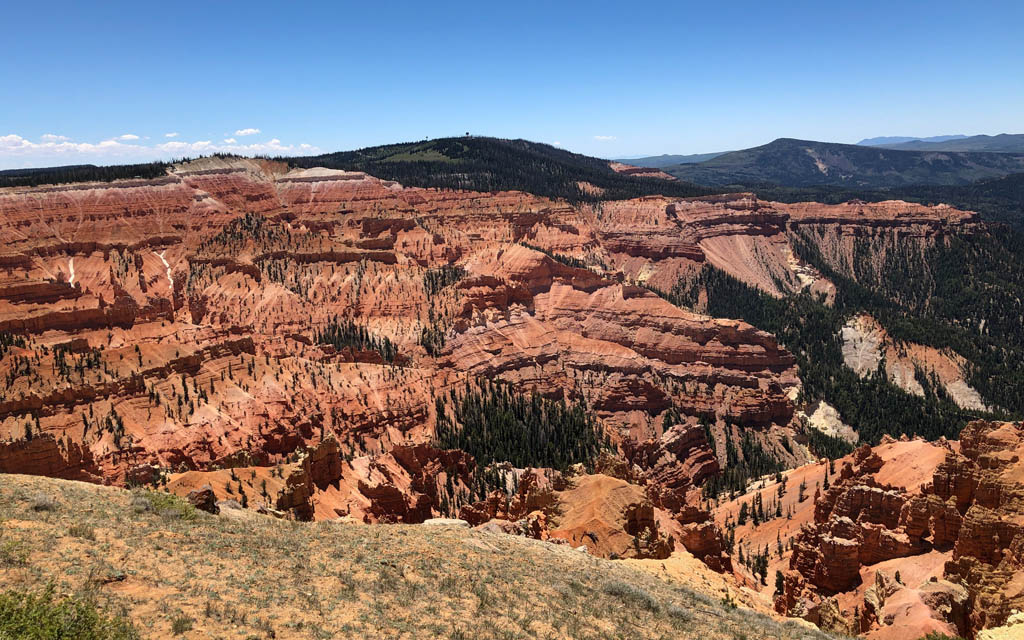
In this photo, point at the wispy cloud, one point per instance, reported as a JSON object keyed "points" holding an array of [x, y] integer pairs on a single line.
{"points": [[13, 144], [557, 143], [52, 149], [128, 136], [604, 138], [230, 145], [173, 134], [246, 132]]}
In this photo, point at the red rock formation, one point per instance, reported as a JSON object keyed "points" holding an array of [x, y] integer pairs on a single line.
{"points": [[704, 540], [404, 485], [857, 522], [643, 172], [569, 328], [657, 240], [204, 499], [186, 310], [969, 511], [675, 463], [46, 456], [985, 482], [535, 492], [610, 517]]}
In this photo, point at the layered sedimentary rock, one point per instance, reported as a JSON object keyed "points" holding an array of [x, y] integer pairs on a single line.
{"points": [[680, 460], [548, 326], [643, 172], [858, 521], [966, 516], [610, 517], [170, 329], [985, 483], [659, 241]]}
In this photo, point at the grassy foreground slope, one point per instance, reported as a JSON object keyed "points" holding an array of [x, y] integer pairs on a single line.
{"points": [[173, 571]]}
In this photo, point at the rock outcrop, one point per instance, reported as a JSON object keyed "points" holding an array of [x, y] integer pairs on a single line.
{"points": [[204, 499], [610, 517], [985, 483], [969, 514], [643, 172], [857, 522], [867, 345], [674, 464]]}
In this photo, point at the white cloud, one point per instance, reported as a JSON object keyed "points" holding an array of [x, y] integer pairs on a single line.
{"points": [[604, 138], [246, 132], [128, 136], [16, 151], [231, 145], [173, 134], [557, 143], [13, 142]]}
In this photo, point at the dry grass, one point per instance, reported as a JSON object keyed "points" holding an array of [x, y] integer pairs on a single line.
{"points": [[181, 573]]}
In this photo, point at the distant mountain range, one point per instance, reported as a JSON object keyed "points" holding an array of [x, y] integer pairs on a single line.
{"points": [[667, 160], [1002, 143], [785, 169], [890, 140], [803, 163]]}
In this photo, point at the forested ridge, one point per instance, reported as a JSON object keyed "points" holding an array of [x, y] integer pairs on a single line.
{"points": [[80, 173], [964, 294], [471, 163], [996, 200], [809, 163], [493, 164], [810, 329]]}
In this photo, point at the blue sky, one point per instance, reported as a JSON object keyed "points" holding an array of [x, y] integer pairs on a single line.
{"points": [[111, 82]]}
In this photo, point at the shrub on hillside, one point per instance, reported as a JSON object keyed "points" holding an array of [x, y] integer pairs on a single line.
{"points": [[44, 616]]}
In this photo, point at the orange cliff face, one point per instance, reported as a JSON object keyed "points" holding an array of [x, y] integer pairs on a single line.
{"points": [[906, 538], [643, 172], [170, 321], [170, 329], [658, 241]]}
